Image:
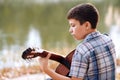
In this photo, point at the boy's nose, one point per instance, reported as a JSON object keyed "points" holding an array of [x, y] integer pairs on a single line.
{"points": [[70, 30]]}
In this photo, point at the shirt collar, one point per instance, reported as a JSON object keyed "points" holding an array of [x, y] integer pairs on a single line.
{"points": [[92, 35]]}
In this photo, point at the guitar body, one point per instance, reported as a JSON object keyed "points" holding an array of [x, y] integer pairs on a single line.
{"points": [[62, 69]]}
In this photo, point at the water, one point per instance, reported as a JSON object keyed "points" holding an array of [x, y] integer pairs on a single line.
{"points": [[11, 56], [33, 39]]}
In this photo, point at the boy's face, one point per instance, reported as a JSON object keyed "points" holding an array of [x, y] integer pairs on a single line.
{"points": [[77, 30]]}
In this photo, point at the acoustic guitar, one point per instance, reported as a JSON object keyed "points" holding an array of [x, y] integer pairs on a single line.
{"points": [[65, 62]]}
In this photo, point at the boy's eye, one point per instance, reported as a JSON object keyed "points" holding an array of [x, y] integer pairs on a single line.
{"points": [[72, 25]]}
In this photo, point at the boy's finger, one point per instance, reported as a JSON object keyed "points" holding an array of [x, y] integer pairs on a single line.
{"points": [[48, 56]]}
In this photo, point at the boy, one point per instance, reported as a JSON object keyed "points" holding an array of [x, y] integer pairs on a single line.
{"points": [[94, 58]]}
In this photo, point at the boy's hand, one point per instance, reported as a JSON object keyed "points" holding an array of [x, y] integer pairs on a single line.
{"points": [[44, 62]]}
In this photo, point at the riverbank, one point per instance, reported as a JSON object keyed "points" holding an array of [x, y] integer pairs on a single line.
{"points": [[31, 77]]}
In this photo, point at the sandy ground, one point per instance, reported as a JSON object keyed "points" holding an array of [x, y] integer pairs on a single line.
{"points": [[43, 76], [31, 77]]}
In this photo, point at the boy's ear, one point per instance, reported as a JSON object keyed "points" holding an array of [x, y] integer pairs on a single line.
{"points": [[87, 25]]}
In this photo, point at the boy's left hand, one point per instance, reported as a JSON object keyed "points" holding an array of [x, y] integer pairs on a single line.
{"points": [[44, 62]]}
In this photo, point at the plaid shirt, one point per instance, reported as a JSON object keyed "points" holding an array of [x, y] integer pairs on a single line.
{"points": [[94, 58]]}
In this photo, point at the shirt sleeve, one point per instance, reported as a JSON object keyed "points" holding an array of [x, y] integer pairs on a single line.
{"points": [[79, 65]]}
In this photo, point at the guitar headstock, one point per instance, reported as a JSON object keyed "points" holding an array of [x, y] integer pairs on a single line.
{"points": [[30, 53]]}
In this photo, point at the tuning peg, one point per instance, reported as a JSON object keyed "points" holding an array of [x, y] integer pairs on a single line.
{"points": [[39, 50]]}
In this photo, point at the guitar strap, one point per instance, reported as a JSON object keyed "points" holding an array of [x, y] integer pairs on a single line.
{"points": [[65, 63]]}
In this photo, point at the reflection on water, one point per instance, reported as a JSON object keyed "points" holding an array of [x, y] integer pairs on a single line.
{"points": [[112, 20], [11, 56], [33, 39]]}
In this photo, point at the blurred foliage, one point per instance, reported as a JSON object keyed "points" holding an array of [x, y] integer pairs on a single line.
{"points": [[115, 3], [48, 17]]}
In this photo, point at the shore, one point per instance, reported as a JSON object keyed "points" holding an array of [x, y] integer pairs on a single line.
{"points": [[31, 77]]}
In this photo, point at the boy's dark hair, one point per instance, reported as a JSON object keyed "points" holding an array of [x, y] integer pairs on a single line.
{"points": [[84, 12]]}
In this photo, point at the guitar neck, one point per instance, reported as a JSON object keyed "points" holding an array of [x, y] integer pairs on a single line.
{"points": [[55, 57]]}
